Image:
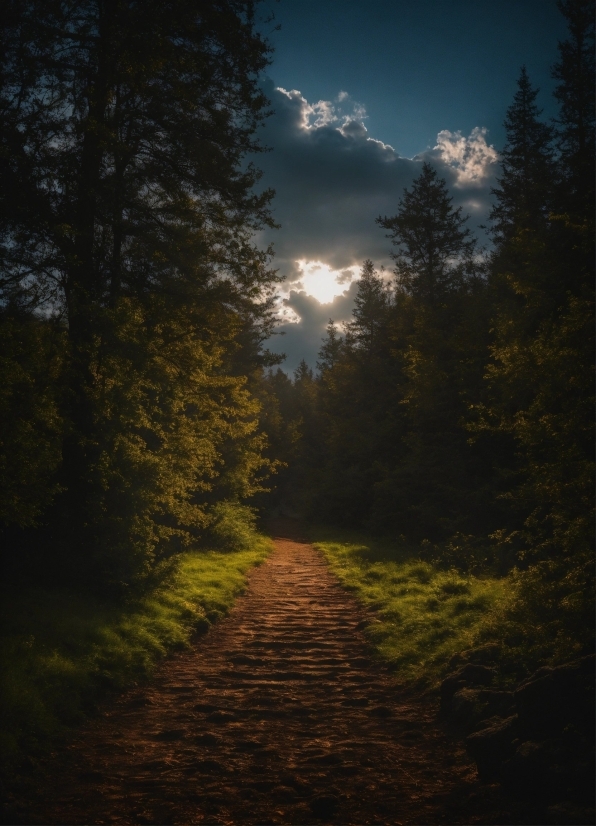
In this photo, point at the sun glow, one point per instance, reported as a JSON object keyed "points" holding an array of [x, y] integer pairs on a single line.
{"points": [[323, 283]]}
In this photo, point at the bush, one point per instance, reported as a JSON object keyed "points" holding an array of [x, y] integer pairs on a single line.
{"points": [[233, 527]]}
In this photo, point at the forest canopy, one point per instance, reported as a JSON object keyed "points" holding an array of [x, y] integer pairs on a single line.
{"points": [[134, 302], [453, 411]]}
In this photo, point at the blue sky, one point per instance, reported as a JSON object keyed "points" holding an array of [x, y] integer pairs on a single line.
{"points": [[361, 92]]}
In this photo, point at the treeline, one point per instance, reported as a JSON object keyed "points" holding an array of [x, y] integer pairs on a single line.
{"points": [[134, 303], [455, 409]]}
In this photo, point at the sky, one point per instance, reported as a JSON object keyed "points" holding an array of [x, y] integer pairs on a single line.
{"points": [[363, 93]]}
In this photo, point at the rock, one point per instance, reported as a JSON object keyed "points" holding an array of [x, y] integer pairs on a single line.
{"points": [[286, 793], [170, 734], [468, 675], [554, 698], [210, 767], [492, 745], [220, 717], [526, 771], [546, 750], [381, 711]]}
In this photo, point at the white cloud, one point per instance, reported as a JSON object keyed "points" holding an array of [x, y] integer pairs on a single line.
{"points": [[472, 158], [323, 282], [332, 180], [316, 115], [301, 337]]}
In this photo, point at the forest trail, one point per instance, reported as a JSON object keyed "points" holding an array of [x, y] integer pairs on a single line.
{"points": [[277, 715]]}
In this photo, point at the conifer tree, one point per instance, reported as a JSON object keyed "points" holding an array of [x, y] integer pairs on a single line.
{"points": [[330, 349], [428, 473], [541, 374], [370, 309], [575, 93], [434, 247], [524, 194]]}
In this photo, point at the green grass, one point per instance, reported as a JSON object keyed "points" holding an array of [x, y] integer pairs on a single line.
{"points": [[423, 615], [62, 652]]}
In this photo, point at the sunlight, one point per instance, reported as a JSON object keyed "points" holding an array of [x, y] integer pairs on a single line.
{"points": [[323, 283]]}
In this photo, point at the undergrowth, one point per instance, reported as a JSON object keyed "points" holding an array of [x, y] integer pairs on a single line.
{"points": [[63, 652], [424, 613]]}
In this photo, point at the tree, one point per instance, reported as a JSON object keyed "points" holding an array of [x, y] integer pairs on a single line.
{"points": [[430, 482], [370, 309], [31, 355], [524, 194], [330, 349], [128, 207], [434, 247], [575, 94], [540, 377]]}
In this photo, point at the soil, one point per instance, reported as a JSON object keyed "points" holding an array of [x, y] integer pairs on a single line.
{"points": [[280, 714]]}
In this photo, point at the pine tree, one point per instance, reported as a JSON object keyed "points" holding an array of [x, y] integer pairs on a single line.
{"points": [[524, 194], [370, 309], [331, 349], [541, 376], [434, 247], [430, 484], [575, 94]]}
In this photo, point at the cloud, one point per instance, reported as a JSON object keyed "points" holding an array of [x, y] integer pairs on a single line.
{"points": [[332, 180], [323, 283], [301, 339], [472, 158]]}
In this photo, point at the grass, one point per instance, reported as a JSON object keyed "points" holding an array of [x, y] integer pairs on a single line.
{"points": [[425, 613], [63, 652]]}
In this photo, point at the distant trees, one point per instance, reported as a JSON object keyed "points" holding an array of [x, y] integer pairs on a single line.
{"points": [[126, 218], [394, 391], [457, 406]]}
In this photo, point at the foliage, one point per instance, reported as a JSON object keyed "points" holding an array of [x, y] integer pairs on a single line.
{"points": [[459, 400], [540, 377], [127, 219], [232, 527], [62, 651], [525, 189], [393, 393], [574, 72], [424, 613], [434, 247], [31, 357]]}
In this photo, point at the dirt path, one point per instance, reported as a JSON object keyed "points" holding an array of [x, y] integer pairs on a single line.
{"points": [[278, 715]]}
